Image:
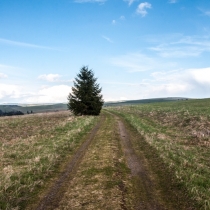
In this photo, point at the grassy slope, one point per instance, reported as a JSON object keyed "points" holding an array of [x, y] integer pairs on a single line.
{"points": [[179, 133], [144, 101], [32, 149], [35, 109]]}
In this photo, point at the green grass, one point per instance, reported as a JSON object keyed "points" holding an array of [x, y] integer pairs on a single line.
{"points": [[180, 133], [33, 147]]}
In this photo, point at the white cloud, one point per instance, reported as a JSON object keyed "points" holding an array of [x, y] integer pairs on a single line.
{"points": [[54, 94], [22, 44], [122, 17], [201, 76], [3, 75], [129, 2], [9, 91], [185, 83], [46, 94], [107, 39], [49, 77], [142, 8]]}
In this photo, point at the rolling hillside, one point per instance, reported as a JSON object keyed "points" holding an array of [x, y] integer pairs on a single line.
{"points": [[34, 108]]}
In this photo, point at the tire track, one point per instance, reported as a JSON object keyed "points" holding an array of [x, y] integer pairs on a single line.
{"points": [[52, 198], [138, 170], [154, 185]]}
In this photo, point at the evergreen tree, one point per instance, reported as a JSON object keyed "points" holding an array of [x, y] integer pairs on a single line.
{"points": [[86, 98]]}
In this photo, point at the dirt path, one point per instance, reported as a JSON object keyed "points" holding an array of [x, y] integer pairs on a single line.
{"points": [[53, 197], [156, 186], [115, 169], [150, 200]]}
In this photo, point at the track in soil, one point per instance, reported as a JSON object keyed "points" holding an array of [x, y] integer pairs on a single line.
{"points": [[53, 197], [138, 170], [148, 193]]}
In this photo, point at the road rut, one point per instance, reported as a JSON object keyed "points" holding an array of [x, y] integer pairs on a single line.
{"points": [[53, 197], [115, 169]]}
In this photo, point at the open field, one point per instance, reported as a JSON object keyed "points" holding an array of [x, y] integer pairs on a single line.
{"points": [[149, 156], [33, 149], [112, 175], [143, 101], [180, 133]]}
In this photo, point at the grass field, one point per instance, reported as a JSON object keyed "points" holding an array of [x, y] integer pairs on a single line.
{"points": [[102, 178], [33, 148], [180, 132]]}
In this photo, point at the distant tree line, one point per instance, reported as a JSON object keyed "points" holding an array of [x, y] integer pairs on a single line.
{"points": [[10, 113]]}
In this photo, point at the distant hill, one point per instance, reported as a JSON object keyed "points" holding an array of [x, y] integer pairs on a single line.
{"points": [[144, 101], [39, 108]]}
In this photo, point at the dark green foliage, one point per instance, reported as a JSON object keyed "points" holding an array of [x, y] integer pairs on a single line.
{"points": [[11, 113], [86, 98]]}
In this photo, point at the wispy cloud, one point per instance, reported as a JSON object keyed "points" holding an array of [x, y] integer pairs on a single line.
{"points": [[205, 12], [130, 2], [121, 83], [107, 39], [90, 1], [182, 46], [47, 94], [50, 77], [9, 92], [3, 75], [137, 62], [54, 94], [172, 1], [23, 44], [188, 82], [2, 66], [142, 8], [121, 18], [113, 22]]}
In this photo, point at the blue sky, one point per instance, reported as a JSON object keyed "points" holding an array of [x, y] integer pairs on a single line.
{"points": [[137, 49]]}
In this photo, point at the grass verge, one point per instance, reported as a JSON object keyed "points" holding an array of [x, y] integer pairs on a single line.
{"points": [[33, 148], [178, 131]]}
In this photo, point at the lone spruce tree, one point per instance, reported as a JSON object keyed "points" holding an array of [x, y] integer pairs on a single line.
{"points": [[86, 98]]}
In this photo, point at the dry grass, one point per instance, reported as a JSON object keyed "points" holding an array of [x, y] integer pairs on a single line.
{"points": [[32, 148], [102, 177], [180, 132]]}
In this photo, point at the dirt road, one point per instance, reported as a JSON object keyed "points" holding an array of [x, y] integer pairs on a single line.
{"points": [[115, 169]]}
